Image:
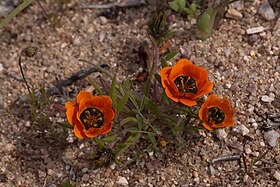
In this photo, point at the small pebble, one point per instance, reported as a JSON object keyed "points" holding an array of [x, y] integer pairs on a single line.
{"points": [[271, 137], [122, 181], [103, 20], [234, 14], [255, 30], [85, 177], [276, 175], [267, 99], [241, 129], [266, 11], [84, 170], [221, 134]]}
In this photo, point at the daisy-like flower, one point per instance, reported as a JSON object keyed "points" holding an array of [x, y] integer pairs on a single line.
{"points": [[90, 115], [185, 82], [216, 113]]}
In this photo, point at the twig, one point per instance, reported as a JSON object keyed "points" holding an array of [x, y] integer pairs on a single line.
{"points": [[21, 71], [226, 158], [129, 3], [77, 76]]}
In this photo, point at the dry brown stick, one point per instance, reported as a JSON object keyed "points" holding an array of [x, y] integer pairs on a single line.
{"points": [[129, 3], [226, 158]]}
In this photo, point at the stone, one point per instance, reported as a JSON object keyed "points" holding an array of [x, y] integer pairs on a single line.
{"points": [[238, 5], [103, 20], [241, 129], [221, 134], [85, 177], [271, 137], [1, 68], [255, 30], [276, 175], [267, 99], [234, 14], [122, 181], [266, 11]]}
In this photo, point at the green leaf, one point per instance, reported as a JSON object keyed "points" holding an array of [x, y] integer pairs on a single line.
{"points": [[109, 138], [65, 125], [121, 104], [178, 5], [96, 87], [152, 107], [132, 98], [144, 102], [152, 138], [174, 5], [163, 62], [133, 130], [15, 12], [128, 120], [158, 78], [170, 55], [113, 91], [129, 141], [67, 183]]}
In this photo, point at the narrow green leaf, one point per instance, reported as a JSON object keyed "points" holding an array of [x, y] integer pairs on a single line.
{"points": [[127, 85], [96, 87], [65, 125], [132, 98], [121, 104], [163, 63], [128, 120], [158, 78], [170, 55], [133, 130], [109, 138], [67, 183], [152, 106], [113, 91], [152, 138], [15, 12], [130, 140]]}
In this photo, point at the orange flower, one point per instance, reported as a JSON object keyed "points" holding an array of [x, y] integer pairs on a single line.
{"points": [[216, 113], [90, 115], [185, 82]]}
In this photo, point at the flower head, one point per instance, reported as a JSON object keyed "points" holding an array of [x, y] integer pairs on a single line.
{"points": [[216, 113], [90, 115], [185, 82]]}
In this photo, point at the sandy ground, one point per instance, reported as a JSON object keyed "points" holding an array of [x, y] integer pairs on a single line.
{"points": [[245, 68]]}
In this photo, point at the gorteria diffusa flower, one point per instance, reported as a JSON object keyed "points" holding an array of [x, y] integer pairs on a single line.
{"points": [[90, 115], [216, 113], [185, 82]]}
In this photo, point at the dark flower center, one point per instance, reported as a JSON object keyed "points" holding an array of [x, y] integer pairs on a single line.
{"points": [[186, 84], [92, 117], [216, 115]]}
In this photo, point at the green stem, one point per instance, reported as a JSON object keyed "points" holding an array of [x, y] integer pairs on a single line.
{"points": [[99, 142], [16, 11]]}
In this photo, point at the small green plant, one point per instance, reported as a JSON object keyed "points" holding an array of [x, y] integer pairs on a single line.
{"points": [[190, 11]]}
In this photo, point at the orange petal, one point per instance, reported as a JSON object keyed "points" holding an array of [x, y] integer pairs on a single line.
{"points": [[207, 126], [187, 102], [205, 89], [164, 74], [106, 128], [180, 68], [109, 114], [83, 95], [71, 111], [79, 132]]}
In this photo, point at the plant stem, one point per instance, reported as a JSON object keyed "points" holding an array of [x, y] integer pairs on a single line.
{"points": [[22, 74], [16, 11], [99, 142]]}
